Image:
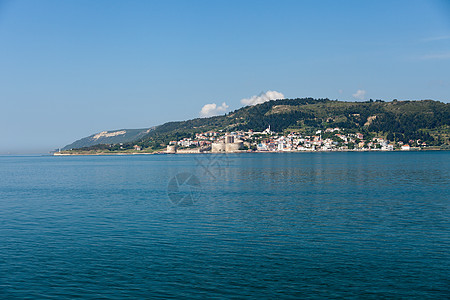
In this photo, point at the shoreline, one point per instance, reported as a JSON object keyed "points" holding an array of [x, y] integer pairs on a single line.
{"points": [[237, 152]]}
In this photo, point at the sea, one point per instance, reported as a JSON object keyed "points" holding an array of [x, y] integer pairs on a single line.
{"points": [[364, 225]]}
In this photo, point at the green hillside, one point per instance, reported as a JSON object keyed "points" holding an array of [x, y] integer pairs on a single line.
{"points": [[426, 120]]}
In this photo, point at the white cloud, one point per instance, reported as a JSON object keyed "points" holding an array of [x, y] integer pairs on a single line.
{"points": [[359, 94], [209, 110], [263, 97]]}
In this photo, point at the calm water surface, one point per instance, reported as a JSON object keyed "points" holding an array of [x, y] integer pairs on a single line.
{"points": [[300, 225]]}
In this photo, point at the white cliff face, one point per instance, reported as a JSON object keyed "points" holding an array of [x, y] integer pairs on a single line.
{"points": [[104, 134]]}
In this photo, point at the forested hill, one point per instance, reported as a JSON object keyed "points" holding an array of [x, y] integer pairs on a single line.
{"points": [[397, 120], [400, 120]]}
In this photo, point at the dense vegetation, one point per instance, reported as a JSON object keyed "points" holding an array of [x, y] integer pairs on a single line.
{"points": [[426, 120]]}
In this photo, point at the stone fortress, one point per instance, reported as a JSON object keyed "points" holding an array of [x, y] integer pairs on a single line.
{"points": [[227, 144]]}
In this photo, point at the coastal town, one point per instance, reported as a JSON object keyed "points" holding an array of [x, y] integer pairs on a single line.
{"points": [[330, 139]]}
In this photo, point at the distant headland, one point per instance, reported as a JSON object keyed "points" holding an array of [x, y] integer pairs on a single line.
{"points": [[287, 125]]}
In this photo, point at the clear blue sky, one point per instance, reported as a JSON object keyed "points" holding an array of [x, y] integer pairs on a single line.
{"points": [[72, 68]]}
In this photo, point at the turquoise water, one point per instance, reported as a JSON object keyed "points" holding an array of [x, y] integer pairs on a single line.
{"points": [[300, 225]]}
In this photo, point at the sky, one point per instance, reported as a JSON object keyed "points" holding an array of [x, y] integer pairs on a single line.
{"points": [[69, 69]]}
